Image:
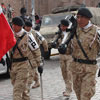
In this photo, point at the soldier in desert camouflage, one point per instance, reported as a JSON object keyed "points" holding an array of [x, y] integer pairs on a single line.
{"points": [[84, 66]]}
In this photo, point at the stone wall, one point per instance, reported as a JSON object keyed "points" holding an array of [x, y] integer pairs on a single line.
{"points": [[16, 5]]}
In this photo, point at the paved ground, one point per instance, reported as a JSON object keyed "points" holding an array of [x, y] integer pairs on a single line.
{"points": [[53, 85]]}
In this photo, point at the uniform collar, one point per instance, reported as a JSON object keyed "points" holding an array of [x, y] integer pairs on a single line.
{"points": [[30, 30], [19, 34], [87, 26]]}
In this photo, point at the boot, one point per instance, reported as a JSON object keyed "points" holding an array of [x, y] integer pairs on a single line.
{"points": [[36, 84], [66, 94]]}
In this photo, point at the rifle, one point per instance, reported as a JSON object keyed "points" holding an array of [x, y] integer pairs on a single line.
{"points": [[62, 48], [8, 61]]}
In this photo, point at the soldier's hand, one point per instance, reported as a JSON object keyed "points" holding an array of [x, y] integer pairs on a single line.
{"points": [[2, 61], [53, 45], [40, 69], [62, 48]]}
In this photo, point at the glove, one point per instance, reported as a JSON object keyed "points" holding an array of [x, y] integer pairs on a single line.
{"points": [[40, 69], [53, 44], [62, 48], [2, 61]]}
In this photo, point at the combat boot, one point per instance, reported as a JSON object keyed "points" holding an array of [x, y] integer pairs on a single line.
{"points": [[36, 84]]}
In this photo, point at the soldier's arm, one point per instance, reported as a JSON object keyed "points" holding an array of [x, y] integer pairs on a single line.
{"points": [[45, 45], [54, 42], [98, 39], [43, 41], [98, 35], [38, 34]]}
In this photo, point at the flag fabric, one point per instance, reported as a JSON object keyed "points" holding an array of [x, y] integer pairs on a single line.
{"points": [[7, 39]]}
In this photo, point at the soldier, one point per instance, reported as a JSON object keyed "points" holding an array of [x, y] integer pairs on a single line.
{"points": [[24, 16], [85, 46], [9, 13], [41, 41], [37, 22], [39, 38], [60, 39], [3, 8], [36, 60], [19, 69], [23, 13]]}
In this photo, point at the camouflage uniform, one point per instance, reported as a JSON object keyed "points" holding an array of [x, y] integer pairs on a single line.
{"points": [[40, 40], [35, 62], [35, 59], [19, 70], [84, 74], [37, 53], [65, 60]]}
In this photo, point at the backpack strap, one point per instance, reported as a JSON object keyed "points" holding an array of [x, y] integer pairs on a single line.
{"points": [[79, 43], [16, 45]]}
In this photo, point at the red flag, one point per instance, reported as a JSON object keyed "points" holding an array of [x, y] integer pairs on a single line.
{"points": [[7, 40]]}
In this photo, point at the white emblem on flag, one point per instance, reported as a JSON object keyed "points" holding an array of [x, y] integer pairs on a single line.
{"points": [[0, 10]]}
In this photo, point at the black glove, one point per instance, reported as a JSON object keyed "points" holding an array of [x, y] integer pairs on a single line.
{"points": [[62, 48], [53, 45], [40, 69], [2, 61], [8, 62]]}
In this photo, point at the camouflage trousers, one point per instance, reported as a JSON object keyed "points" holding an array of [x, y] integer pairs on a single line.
{"points": [[19, 74], [67, 76], [33, 76], [83, 80], [33, 73]]}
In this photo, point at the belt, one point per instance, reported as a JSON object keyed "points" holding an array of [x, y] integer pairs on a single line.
{"points": [[20, 59], [94, 62]]}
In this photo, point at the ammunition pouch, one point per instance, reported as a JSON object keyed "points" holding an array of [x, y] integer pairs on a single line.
{"points": [[94, 62]]}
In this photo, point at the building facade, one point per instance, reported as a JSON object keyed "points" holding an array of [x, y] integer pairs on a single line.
{"points": [[45, 6], [17, 5]]}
